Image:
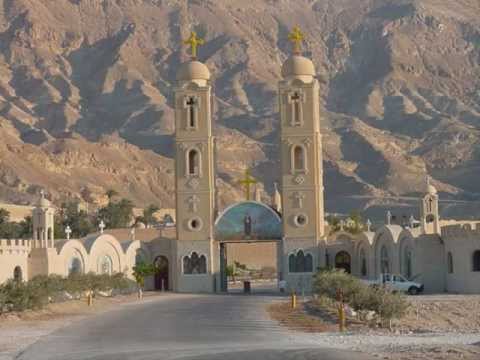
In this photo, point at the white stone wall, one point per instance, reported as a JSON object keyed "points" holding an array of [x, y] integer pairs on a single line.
{"points": [[13, 253], [462, 241]]}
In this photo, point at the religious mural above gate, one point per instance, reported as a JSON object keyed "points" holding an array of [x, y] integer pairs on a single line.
{"points": [[248, 220]]}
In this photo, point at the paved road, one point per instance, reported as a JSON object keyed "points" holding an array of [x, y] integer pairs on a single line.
{"points": [[194, 327]]}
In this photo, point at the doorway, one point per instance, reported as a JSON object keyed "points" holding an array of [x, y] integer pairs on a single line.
{"points": [[255, 263], [343, 261], [161, 273]]}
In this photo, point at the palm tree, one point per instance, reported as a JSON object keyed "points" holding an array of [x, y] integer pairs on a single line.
{"points": [[110, 193]]}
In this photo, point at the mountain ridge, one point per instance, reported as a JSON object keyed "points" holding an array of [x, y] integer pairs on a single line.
{"points": [[398, 79]]}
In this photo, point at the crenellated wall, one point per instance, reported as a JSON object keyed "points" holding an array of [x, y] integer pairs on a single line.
{"points": [[462, 230], [13, 253]]}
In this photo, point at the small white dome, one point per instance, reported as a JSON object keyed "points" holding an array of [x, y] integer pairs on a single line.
{"points": [[431, 189], [297, 65], [193, 70], [43, 202]]}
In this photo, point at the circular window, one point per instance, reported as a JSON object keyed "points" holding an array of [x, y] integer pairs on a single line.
{"points": [[300, 220], [195, 224]]}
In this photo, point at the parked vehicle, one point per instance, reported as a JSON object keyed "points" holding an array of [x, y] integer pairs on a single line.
{"points": [[397, 282]]}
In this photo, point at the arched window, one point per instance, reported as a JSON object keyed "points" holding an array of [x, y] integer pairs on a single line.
{"points": [[476, 260], [295, 100], [105, 265], [195, 264], [298, 158], [363, 263], [407, 266], [75, 266], [191, 104], [291, 263], [17, 274], [193, 162], [384, 260], [300, 262], [450, 263]]}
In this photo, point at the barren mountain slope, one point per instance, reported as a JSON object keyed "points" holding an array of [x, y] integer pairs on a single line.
{"points": [[399, 82]]}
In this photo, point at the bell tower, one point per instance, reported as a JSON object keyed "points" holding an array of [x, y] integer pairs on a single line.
{"points": [[429, 212], [43, 223], [301, 166], [194, 176]]}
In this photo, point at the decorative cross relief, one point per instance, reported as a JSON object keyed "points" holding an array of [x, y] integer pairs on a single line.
{"points": [[369, 225], [102, 226], [68, 231], [299, 197], [295, 99], [193, 201]]}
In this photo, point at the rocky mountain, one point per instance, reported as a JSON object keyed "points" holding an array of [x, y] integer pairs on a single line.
{"points": [[85, 95]]}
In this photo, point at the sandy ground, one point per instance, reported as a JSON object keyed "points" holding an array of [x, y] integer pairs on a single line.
{"points": [[19, 330], [437, 327]]}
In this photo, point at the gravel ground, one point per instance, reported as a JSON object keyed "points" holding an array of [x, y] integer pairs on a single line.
{"points": [[437, 327]]}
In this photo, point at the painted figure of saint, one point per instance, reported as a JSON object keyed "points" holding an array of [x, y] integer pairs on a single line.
{"points": [[247, 225]]}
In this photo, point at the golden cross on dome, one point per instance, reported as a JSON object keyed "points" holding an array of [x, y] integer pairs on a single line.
{"points": [[194, 43], [296, 37], [247, 181]]}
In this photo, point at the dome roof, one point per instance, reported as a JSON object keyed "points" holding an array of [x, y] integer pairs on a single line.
{"points": [[297, 65], [43, 202], [193, 70], [431, 189], [248, 220]]}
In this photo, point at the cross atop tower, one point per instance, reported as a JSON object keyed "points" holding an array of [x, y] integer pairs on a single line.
{"points": [[296, 37], [247, 182], [194, 43]]}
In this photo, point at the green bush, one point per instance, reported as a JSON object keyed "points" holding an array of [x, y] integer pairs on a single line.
{"points": [[39, 291], [386, 304], [327, 282]]}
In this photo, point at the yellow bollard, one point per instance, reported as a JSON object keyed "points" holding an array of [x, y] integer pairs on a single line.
{"points": [[341, 317], [89, 299], [341, 311], [294, 300]]}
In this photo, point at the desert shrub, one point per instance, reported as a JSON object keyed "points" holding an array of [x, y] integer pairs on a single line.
{"points": [[20, 296], [386, 304], [327, 282], [42, 289], [391, 305]]}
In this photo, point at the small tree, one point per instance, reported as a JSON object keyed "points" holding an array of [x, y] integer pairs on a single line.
{"points": [[231, 271], [140, 273], [110, 193], [148, 215]]}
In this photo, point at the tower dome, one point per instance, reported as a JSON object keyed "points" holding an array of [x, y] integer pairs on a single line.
{"points": [[43, 202], [430, 188], [298, 65], [193, 70]]}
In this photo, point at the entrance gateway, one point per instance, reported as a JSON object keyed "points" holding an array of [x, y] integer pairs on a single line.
{"points": [[247, 222]]}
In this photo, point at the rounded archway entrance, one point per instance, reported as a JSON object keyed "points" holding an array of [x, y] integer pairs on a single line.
{"points": [[17, 274], [161, 273], [343, 261]]}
